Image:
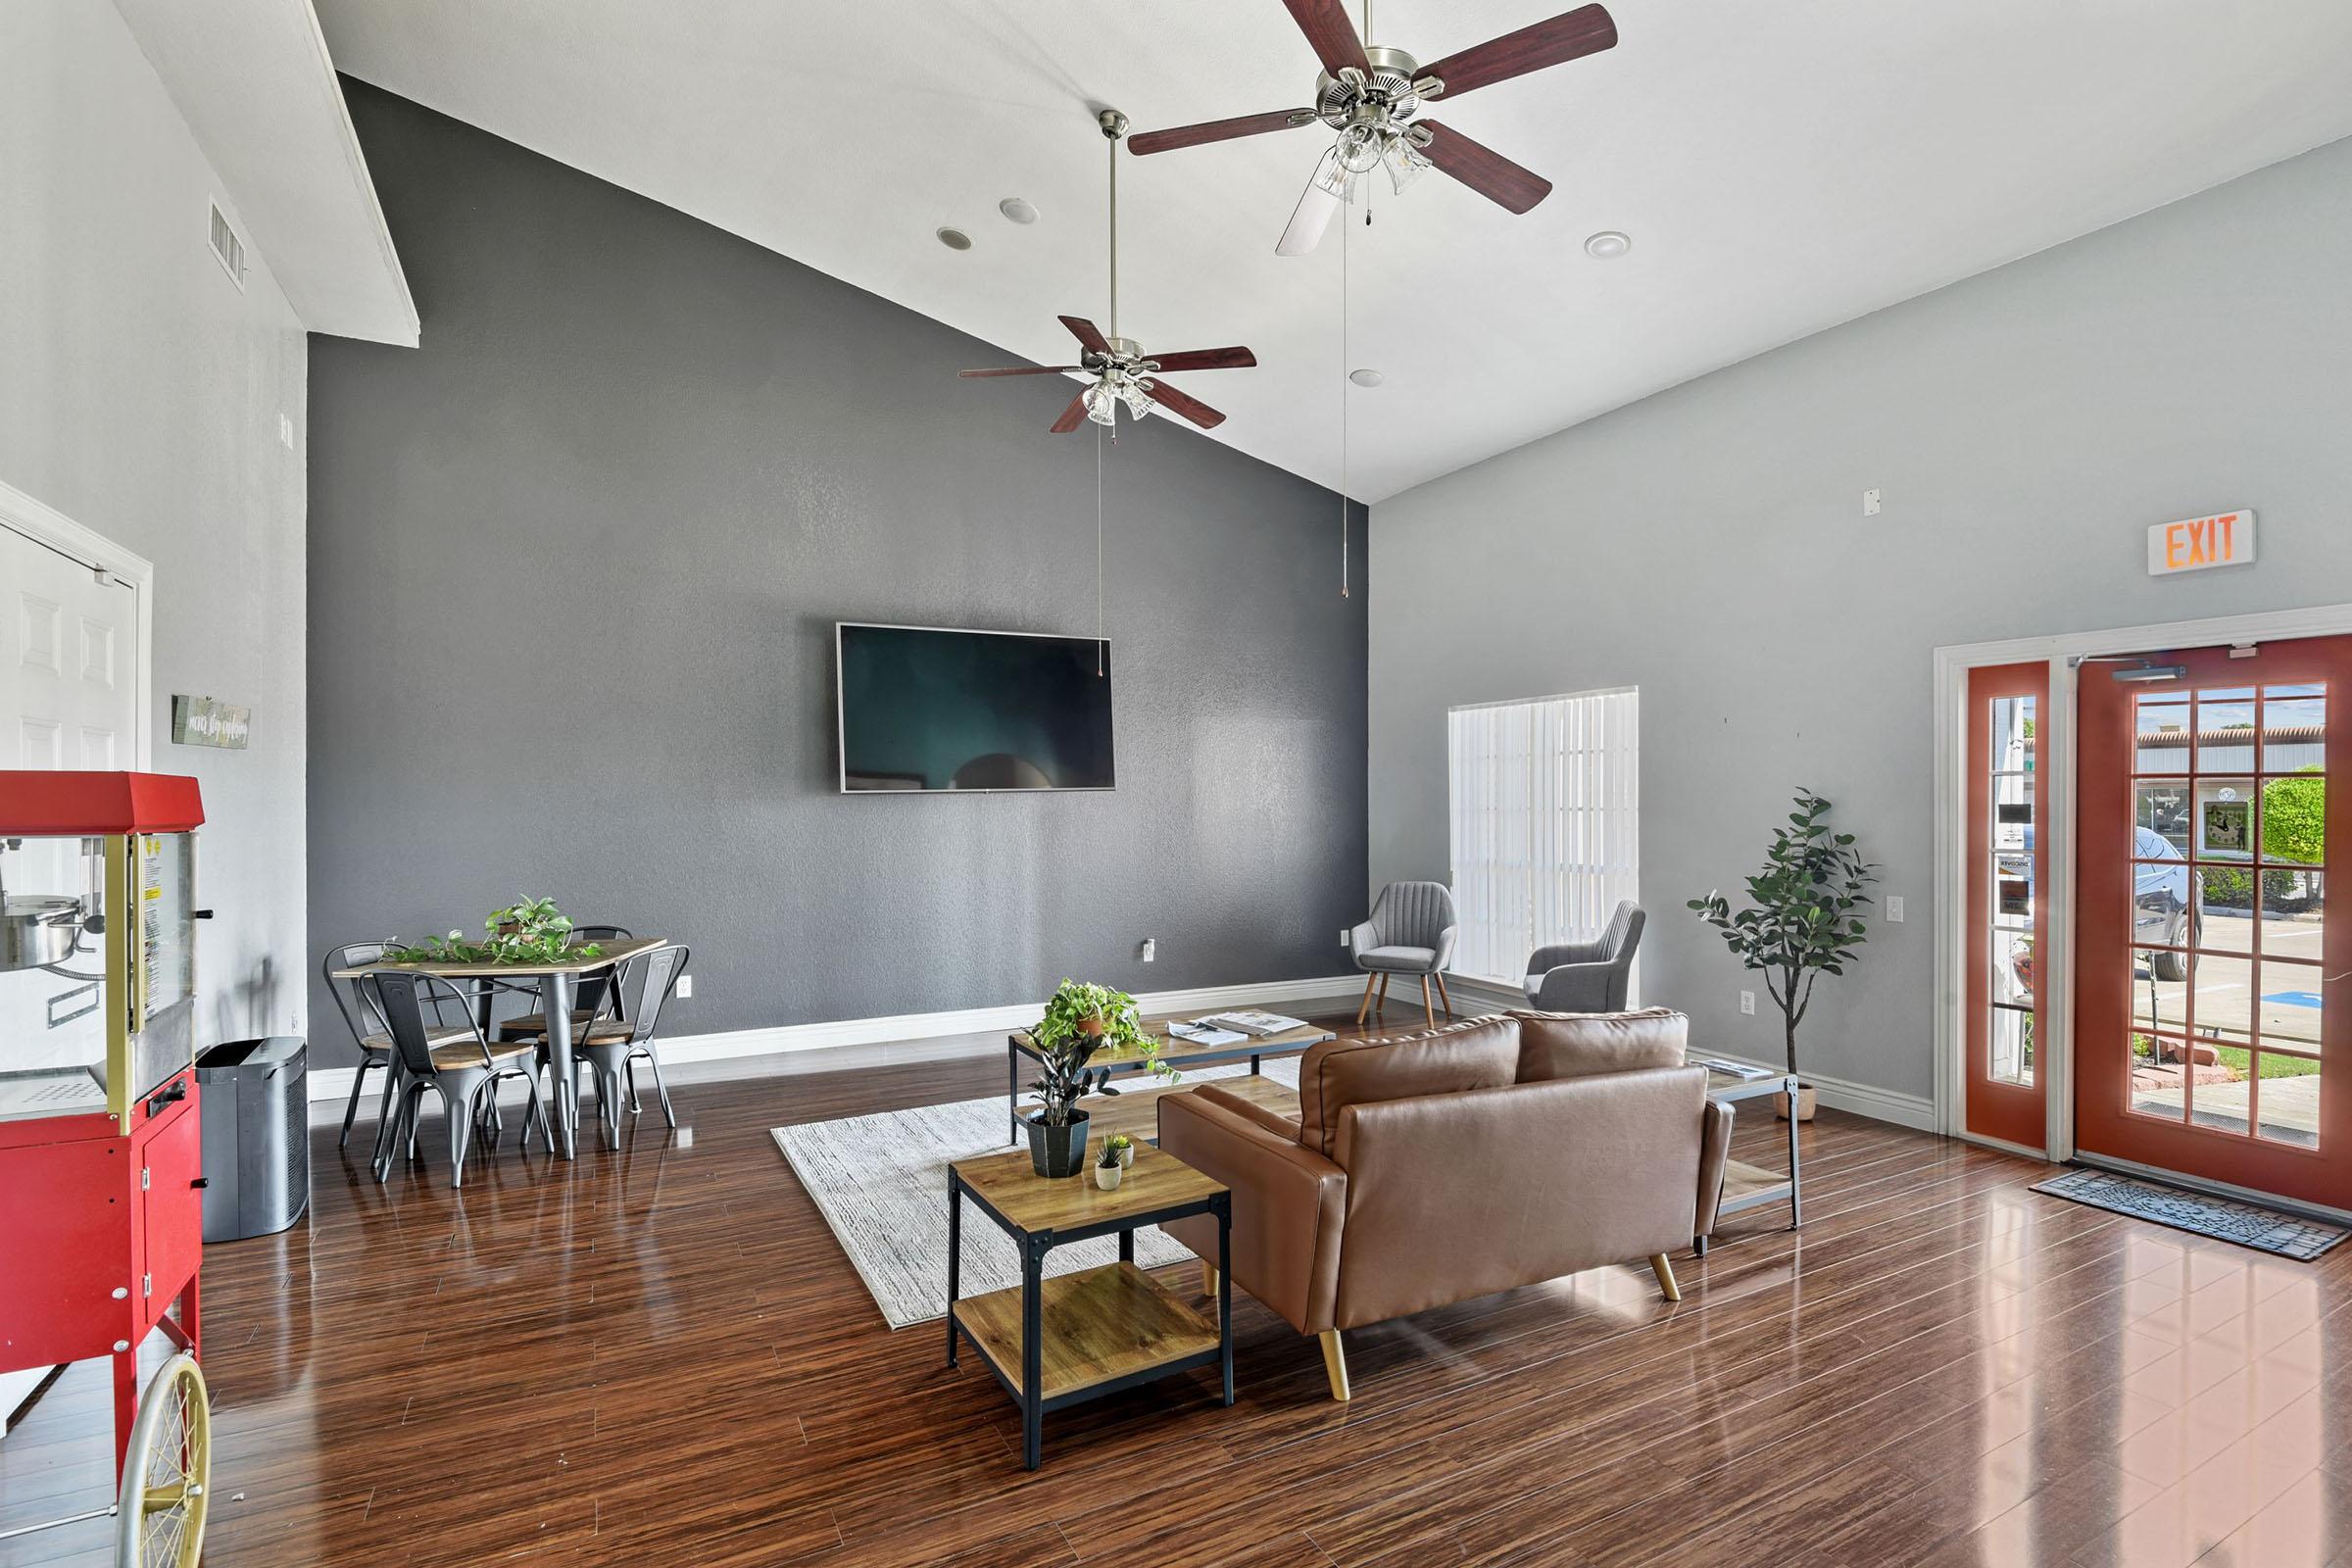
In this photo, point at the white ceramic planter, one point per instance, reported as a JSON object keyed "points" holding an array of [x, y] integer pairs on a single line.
{"points": [[1109, 1177]]}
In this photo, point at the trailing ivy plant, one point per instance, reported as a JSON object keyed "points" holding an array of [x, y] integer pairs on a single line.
{"points": [[1801, 921], [530, 931], [1080, 1020]]}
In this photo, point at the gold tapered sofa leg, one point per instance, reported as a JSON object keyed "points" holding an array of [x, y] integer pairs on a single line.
{"points": [[1209, 1278], [1335, 1364], [1665, 1273]]}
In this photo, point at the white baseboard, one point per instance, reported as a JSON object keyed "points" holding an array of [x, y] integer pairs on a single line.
{"points": [[333, 1084], [1860, 1099]]}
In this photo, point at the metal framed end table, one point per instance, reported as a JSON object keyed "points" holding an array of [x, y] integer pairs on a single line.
{"points": [[1056, 1343], [1745, 1185], [1175, 1051]]}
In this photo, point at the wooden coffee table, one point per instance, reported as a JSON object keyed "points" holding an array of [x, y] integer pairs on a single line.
{"points": [[1137, 1104], [1056, 1343]]}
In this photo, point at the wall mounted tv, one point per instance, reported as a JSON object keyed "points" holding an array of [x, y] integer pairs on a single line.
{"points": [[926, 708]]}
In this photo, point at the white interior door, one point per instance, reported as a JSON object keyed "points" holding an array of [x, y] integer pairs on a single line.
{"points": [[69, 661]]}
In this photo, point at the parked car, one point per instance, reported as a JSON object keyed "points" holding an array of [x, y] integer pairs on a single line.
{"points": [[2161, 916]]}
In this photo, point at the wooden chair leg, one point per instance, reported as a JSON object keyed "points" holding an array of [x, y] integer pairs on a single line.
{"points": [[1429, 1008], [1209, 1278], [1444, 999], [1381, 1005], [1664, 1269], [1335, 1364], [1370, 980]]}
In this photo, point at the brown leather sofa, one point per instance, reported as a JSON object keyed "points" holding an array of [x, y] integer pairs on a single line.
{"points": [[1433, 1167]]}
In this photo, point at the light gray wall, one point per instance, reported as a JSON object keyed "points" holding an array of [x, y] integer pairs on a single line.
{"points": [[575, 565], [139, 395], [1707, 544]]}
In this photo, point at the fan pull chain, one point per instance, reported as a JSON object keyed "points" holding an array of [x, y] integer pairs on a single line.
{"points": [[1097, 551]]}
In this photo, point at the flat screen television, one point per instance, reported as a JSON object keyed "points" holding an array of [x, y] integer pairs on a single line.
{"points": [[927, 708]]}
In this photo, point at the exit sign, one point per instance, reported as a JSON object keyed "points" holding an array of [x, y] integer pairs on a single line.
{"points": [[2225, 539]]}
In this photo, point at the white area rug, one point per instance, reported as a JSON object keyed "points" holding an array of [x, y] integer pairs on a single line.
{"points": [[881, 1182]]}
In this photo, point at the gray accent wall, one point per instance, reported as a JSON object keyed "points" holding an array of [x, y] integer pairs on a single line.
{"points": [[1708, 545], [574, 570]]}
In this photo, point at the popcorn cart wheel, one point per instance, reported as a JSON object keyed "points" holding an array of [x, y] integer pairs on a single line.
{"points": [[166, 1474], [101, 1146]]}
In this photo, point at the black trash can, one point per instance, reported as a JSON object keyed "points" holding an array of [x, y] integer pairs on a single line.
{"points": [[257, 1136]]}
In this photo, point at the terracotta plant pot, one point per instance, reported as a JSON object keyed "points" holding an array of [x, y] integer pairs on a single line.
{"points": [[1805, 1104], [1092, 1028]]}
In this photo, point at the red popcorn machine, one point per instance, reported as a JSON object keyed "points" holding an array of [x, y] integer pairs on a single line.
{"points": [[101, 1148]]}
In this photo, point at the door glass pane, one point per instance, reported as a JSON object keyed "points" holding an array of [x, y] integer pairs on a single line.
{"points": [[2157, 1076], [2294, 722], [2294, 818], [2294, 909], [2224, 1098], [2291, 1004], [2160, 990], [2160, 720], [2012, 890], [2224, 829], [2225, 731], [2160, 903], [2225, 916], [2289, 1103], [2225, 997], [2160, 825], [2012, 1046]]}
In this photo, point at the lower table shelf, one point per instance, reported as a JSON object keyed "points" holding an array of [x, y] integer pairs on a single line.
{"points": [[1101, 1327], [1747, 1185]]}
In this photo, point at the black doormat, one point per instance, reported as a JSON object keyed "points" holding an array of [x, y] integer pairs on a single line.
{"points": [[2224, 1219]]}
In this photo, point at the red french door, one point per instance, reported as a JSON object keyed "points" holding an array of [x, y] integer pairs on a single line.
{"points": [[2211, 997], [2007, 919]]}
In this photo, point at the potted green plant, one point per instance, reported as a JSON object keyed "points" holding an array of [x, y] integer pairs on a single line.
{"points": [[1109, 1171], [528, 931], [1801, 923], [1080, 1020], [1122, 1147]]}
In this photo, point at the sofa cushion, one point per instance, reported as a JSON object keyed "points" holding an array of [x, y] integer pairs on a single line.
{"points": [[1578, 1045], [1482, 1054]]}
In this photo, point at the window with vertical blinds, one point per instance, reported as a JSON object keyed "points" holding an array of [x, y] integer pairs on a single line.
{"points": [[1545, 799]]}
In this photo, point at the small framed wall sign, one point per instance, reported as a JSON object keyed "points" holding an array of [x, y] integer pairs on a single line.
{"points": [[2225, 539], [209, 722]]}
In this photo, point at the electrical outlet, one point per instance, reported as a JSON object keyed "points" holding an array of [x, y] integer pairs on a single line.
{"points": [[285, 431], [1344, 935], [1748, 1003], [1870, 503], [685, 985], [1895, 909], [1151, 948]]}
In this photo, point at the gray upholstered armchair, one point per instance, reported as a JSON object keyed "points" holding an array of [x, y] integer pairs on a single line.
{"points": [[1410, 932], [1588, 976]]}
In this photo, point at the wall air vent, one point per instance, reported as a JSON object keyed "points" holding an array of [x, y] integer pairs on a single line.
{"points": [[227, 249]]}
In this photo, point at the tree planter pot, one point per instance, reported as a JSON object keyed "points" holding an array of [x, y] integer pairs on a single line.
{"points": [[1057, 1151], [1805, 1105]]}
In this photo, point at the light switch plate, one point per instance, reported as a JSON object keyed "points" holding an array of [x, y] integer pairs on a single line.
{"points": [[1895, 909]]}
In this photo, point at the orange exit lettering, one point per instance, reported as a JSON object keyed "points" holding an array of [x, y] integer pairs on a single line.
{"points": [[2203, 542]]}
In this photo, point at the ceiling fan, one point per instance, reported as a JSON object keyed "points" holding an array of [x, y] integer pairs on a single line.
{"points": [[1123, 372], [1372, 97]]}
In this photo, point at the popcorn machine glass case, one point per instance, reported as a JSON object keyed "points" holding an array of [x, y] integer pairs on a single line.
{"points": [[97, 954]]}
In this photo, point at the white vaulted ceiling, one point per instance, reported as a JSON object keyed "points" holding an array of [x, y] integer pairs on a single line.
{"points": [[1781, 168]]}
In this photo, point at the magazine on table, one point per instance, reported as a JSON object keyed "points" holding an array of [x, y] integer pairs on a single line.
{"points": [[1736, 1069], [1252, 1022], [1202, 1033]]}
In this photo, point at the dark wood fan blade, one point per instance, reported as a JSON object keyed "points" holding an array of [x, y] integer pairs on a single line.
{"points": [[1236, 357], [1192, 408], [1586, 30], [1483, 169], [1160, 141], [1090, 336], [1026, 370], [1072, 416], [1329, 33]]}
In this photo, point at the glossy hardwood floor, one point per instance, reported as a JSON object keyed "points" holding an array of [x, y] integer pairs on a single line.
{"points": [[661, 1357]]}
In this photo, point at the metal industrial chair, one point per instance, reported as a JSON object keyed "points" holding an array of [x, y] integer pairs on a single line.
{"points": [[612, 1045], [458, 1069], [1588, 976], [366, 1020], [1412, 932], [587, 992]]}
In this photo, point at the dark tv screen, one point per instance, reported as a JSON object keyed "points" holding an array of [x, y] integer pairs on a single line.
{"points": [[928, 709]]}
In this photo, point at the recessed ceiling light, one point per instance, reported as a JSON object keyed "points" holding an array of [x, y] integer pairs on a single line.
{"points": [[1019, 211], [1608, 245], [1366, 376], [955, 239]]}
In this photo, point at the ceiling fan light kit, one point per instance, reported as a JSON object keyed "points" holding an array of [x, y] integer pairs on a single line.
{"points": [[1372, 97]]}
